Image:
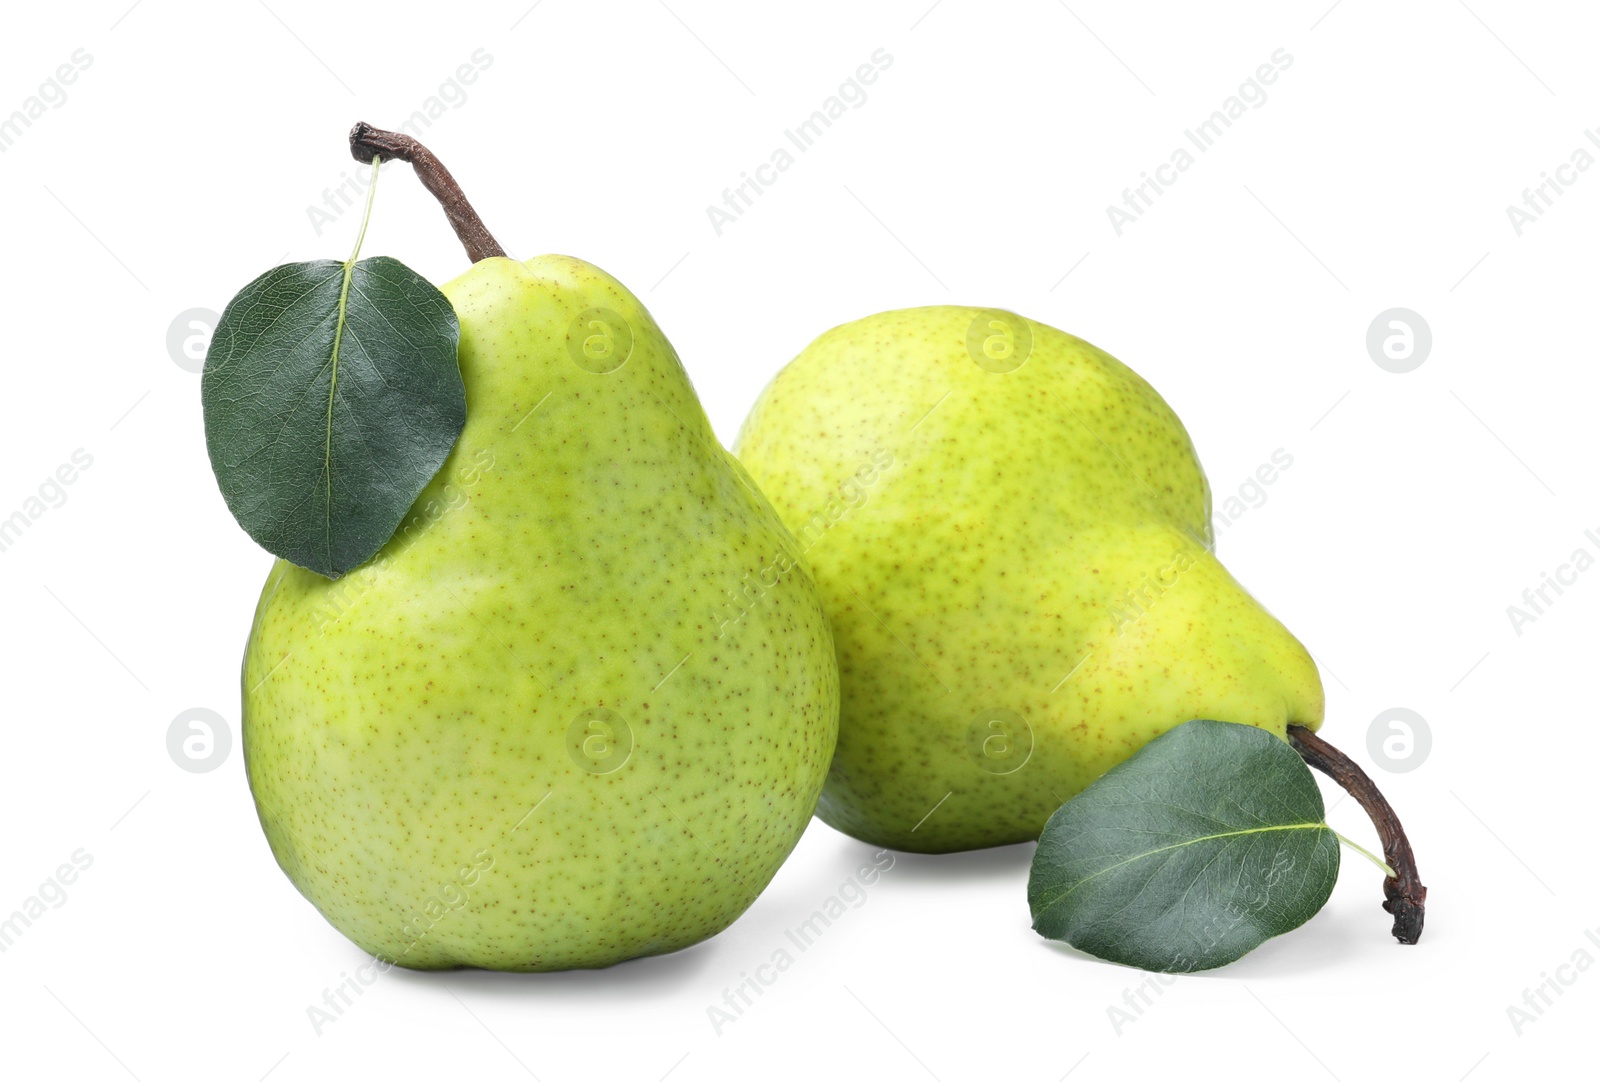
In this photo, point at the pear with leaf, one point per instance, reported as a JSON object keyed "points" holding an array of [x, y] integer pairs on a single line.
{"points": [[1028, 594], [512, 736]]}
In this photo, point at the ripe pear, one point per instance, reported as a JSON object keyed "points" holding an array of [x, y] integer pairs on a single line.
{"points": [[517, 738], [1011, 532]]}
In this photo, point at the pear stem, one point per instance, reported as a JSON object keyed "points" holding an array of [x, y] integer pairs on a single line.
{"points": [[1403, 890], [367, 142]]}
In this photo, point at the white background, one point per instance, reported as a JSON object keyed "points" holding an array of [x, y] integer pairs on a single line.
{"points": [[1419, 506]]}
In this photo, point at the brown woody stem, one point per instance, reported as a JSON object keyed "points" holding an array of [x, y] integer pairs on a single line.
{"points": [[1404, 891], [367, 142]]}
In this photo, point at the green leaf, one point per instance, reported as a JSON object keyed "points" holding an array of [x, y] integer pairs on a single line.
{"points": [[1189, 855], [331, 397]]}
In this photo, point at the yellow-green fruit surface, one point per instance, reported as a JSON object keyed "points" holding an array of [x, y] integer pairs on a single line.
{"points": [[1012, 536], [527, 735]]}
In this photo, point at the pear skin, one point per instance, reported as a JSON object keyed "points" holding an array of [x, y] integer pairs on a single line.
{"points": [[531, 733], [1011, 532]]}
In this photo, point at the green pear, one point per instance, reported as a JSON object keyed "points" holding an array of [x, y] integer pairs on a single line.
{"points": [[529, 734], [1012, 536]]}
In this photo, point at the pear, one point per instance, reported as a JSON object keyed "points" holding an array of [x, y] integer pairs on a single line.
{"points": [[1011, 532], [530, 734]]}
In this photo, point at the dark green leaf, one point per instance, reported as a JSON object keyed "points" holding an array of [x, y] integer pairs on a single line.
{"points": [[328, 410], [1189, 855]]}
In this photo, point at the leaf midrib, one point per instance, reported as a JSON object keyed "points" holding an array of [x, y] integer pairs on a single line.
{"points": [[1168, 848], [333, 387]]}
